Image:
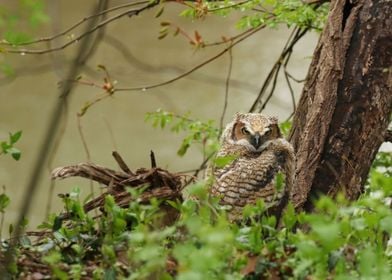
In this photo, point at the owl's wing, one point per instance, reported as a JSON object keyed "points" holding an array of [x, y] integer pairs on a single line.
{"points": [[246, 179]]}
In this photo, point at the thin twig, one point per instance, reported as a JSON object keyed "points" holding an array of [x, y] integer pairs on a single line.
{"points": [[272, 75], [83, 138], [233, 38], [272, 91], [51, 155], [2, 218], [86, 149], [100, 34], [134, 61], [75, 25], [112, 138], [229, 6], [203, 165], [295, 79], [153, 160], [227, 84], [289, 86], [124, 167], [144, 88], [129, 13]]}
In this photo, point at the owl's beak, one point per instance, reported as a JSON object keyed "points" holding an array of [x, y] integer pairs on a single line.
{"points": [[255, 140]]}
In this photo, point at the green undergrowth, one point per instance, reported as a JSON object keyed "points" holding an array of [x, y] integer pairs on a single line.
{"points": [[340, 239]]}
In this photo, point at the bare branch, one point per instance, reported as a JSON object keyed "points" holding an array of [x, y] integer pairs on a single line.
{"points": [[130, 12], [227, 84], [124, 167], [293, 78], [144, 88], [134, 61], [75, 25], [229, 6], [290, 89], [274, 72], [203, 165], [153, 160]]}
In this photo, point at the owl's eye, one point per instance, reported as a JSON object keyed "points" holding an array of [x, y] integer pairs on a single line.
{"points": [[245, 131], [268, 132]]}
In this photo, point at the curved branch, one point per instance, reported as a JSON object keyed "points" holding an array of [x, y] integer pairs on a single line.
{"points": [[130, 12], [272, 75], [227, 86], [75, 25], [144, 88]]}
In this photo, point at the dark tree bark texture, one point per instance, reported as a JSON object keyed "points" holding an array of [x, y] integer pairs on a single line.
{"points": [[345, 108]]}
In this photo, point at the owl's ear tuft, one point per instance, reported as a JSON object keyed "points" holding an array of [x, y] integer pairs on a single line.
{"points": [[237, 116]]}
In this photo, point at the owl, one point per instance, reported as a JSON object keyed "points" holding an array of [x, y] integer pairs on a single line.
{"points": [[255, 152]]}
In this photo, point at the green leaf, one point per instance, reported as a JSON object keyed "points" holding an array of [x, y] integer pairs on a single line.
{"points": [[289, 217], [15, 137], [183, 148], [5, 147], [367, 262], [160, 11], [57, 223], [16, 38], [386, 224], [328, 234], [52, 258], [10, 229], [285, 127], [198, 190], [279, 181], [4, 202], [15, 153], [221, 162], [110, 274]]}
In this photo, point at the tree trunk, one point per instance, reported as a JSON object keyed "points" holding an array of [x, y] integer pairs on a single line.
{"points": [[346, 104]]}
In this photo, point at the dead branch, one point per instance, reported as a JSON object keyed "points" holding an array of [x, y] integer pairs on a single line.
{"points": [[204, 63], [153, 183], [121, 163]]}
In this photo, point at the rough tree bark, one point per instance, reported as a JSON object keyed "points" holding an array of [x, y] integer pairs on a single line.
{"points": [[346, 104]]}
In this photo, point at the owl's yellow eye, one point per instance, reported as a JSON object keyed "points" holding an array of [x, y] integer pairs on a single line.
{"points": [[245, 131]]}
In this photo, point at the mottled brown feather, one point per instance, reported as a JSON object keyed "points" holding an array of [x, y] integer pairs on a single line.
{"points": [[251, 176]]}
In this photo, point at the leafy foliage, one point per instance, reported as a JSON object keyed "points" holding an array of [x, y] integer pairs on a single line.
{"points": [[12, 19], [15, 24], [197, 132], [7, 147], [269, 12], [340, 239]]}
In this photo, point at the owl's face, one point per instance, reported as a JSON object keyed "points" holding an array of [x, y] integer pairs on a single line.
{"points": [[252, 131]]}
